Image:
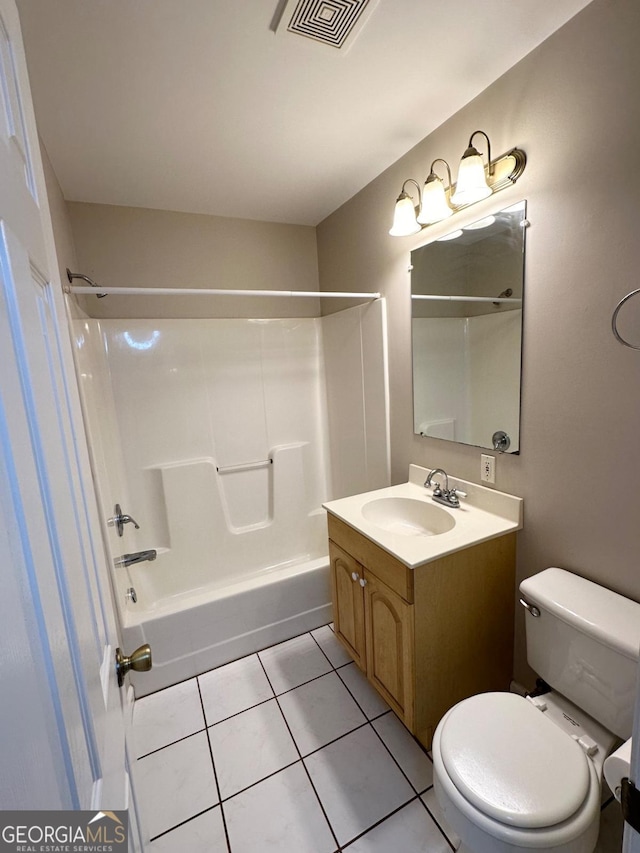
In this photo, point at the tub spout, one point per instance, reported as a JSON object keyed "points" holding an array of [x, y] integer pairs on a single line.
{"points": [[137, 557]]}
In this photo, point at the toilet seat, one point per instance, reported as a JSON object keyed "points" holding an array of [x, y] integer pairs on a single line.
{"points": [[512, 763], [574, 834]]}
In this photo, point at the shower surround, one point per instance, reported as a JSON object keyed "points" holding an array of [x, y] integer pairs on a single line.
{"points": [[213, 435]]}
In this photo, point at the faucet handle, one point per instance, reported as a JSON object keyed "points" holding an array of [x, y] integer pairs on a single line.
{"points": [[120, 519], [453, 497]]}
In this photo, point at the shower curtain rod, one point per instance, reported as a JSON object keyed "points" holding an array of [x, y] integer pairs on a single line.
{"points": [[460, 298], [199, 291]]}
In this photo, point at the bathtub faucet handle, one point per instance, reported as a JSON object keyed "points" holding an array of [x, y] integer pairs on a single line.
{"points": [[120, 519]]}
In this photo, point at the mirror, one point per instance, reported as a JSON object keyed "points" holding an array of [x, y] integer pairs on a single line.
{"points": [[467, 291]]}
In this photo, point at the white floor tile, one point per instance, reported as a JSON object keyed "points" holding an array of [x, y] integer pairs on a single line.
{"points": [[358, 782], [167, 716], [176, 783], [250, 746], [429, 799], [279, 815], [331, 646], [233, 688], [319, 712], [203, 834], [293, 663], [411, 758], [365, 695], [411, 829]]}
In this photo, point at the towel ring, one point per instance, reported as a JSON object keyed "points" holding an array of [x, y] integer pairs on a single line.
{"points": [[614, 320]]}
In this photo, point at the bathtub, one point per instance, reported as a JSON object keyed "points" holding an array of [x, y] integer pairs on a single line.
{"points": [[192, 632]]}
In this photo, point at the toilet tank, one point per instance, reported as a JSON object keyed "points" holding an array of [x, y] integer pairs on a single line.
{"points": [[585, 644]]}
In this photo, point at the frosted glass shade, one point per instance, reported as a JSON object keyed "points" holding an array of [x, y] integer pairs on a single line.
{"points": [[404, 217], [472, 182], [434, 207]]}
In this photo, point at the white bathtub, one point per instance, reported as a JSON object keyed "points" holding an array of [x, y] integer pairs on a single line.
{"points": [[192, 632]]}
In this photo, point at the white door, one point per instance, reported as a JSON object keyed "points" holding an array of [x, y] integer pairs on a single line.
{"points": [[61, 713]]}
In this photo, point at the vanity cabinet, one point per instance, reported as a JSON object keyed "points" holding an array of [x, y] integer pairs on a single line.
{"points": [[389, 645], [347, 580], [427, 637]]}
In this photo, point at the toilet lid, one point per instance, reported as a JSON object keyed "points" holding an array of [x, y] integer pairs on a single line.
{"points": [[512, 763]]}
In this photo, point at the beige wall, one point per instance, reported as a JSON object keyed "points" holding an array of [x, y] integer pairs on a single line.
{"points": [[572, 105], [62, 233], [135, 247]]}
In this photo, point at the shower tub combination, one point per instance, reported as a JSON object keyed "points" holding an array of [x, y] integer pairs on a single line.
{"points": [[212, 433]]}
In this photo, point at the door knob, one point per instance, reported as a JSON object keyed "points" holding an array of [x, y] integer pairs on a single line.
{"points": [[139, 661]]}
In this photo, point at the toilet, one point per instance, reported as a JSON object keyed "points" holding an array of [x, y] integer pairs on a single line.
{"points": [[515, 773]]}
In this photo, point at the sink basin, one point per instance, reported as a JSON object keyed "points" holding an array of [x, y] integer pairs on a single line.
{"points": [[404, 520], [408, 516]]}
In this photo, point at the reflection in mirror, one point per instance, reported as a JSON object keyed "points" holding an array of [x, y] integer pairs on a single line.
{"points": [[467, 292]]}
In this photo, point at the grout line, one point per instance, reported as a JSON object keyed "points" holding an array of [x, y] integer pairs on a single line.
{"points": [[382, 820], [336, 739], [171, 743], [326, 817], [323, 651], [237, 713], [215, 775], [433, 818], [369, 719], [183, 822], [290, 689], [397, 763], [258, 781]]}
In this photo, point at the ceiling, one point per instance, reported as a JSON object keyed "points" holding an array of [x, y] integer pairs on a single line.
{"points": [[200, 106]]}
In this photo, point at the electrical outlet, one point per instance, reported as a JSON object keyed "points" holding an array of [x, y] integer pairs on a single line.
{"points": [[487, 468]]}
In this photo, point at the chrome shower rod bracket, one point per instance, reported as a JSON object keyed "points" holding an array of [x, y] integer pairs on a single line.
{"points": [[72, 275]]}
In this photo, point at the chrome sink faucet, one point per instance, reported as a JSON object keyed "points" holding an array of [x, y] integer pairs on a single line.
{"points": [[136, 557], [431, 475], [443, 494]]}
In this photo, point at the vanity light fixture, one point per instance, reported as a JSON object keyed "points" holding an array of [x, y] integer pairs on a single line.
{"points": [[472, 183], [476, 181], [435, 205], [404, 217]]}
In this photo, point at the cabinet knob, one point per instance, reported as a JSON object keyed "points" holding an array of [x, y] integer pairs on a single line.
{"points": [[363, 582], [354, 576]]}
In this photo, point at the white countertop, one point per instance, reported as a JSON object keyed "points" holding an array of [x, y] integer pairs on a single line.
{"points": [[484, 514]]}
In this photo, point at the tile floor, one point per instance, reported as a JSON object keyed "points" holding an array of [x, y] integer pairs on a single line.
{"points": [[289, 750]]}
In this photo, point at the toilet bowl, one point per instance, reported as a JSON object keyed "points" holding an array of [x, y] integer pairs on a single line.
{"points": [[515, 773]]}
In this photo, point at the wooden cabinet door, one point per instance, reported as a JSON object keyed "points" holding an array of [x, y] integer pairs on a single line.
{"points": [[389, 644], [348, 602]]}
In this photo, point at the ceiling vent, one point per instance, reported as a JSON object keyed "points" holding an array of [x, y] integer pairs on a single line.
{"points": [[332, 22]]}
